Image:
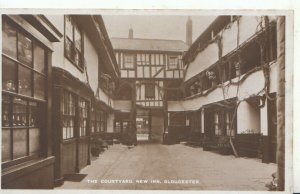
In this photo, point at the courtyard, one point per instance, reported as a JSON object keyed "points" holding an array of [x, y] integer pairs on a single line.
{"points": [[170, 167]]}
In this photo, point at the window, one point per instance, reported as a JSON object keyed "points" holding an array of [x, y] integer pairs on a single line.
{"points": [[102, 121], [149, 90], [68, 115], [128, 61], [117, 127], [21, 72], [173, 62], [20, 128], [157, 59], [143, 59], [73, 42], [24, 72], [217, 122], [228, 121], [83, 110], [93, 121]]}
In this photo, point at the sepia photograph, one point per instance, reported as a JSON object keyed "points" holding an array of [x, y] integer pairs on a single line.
{"points": [[149, 101]]}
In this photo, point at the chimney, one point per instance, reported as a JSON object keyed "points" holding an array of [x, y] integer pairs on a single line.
{"points": [[130, 35], [189, 31]]}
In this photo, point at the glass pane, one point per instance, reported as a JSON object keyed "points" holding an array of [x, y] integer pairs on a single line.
{"points": [[9, 77], [19, 143], [34, 141], [24, 49], [39, 86], [69, 27], [77, 38], [68, 48], [39, 59], [32, 114], [25, 84], [19, 112], [6, 148], [9, 40], [5, 111]]}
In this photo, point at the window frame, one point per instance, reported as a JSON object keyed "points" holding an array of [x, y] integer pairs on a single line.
{"points": [[152, 87], [176, 67], [73, 51], [125, 67]]}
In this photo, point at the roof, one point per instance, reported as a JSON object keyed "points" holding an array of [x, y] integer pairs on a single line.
{"points": [[148, 44]]}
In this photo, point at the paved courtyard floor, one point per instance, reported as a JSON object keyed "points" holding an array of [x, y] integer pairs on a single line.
{"points": [[172, 167]]}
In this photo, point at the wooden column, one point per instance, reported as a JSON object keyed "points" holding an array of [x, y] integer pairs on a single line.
{"points": [[281, 102]]}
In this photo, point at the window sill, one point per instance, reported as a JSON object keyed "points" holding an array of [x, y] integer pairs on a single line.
{"points": [[13, 172]]}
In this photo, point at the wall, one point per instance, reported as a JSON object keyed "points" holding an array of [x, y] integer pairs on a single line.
{"points": [[92, 64], [248, 118], [105, 98]]}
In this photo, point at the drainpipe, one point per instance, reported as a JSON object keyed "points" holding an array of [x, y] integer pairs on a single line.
{"points": [[281, 101]]}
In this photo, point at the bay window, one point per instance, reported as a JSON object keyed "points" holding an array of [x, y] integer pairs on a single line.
{"points": [[24, 79]]}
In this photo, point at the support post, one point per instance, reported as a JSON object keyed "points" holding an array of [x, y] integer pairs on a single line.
{"points": [[281, 102]]}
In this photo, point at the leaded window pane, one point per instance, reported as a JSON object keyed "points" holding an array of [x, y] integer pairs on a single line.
{"points": [[39, 59], [25, 49], [19, 112], [9, 40], [39, 86], [69, 28], [6, 148], [5, 111], [19, 143], [9, 77], [77, 38], [32, 114], [25, 83], [34, 143]]}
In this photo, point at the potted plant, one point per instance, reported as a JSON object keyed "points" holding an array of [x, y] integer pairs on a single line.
{"points": [[97, 146]]}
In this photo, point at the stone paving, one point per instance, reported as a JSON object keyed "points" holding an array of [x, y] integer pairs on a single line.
{"points": [[171, 167]]}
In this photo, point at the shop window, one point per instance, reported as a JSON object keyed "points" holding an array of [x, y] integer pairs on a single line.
{"points": [[128, 61], [20, 128], [24, 72], [73, 42], [98, 121], [83, 116], [173, 62], [68, 115], [143, 59], [149, 90]]}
